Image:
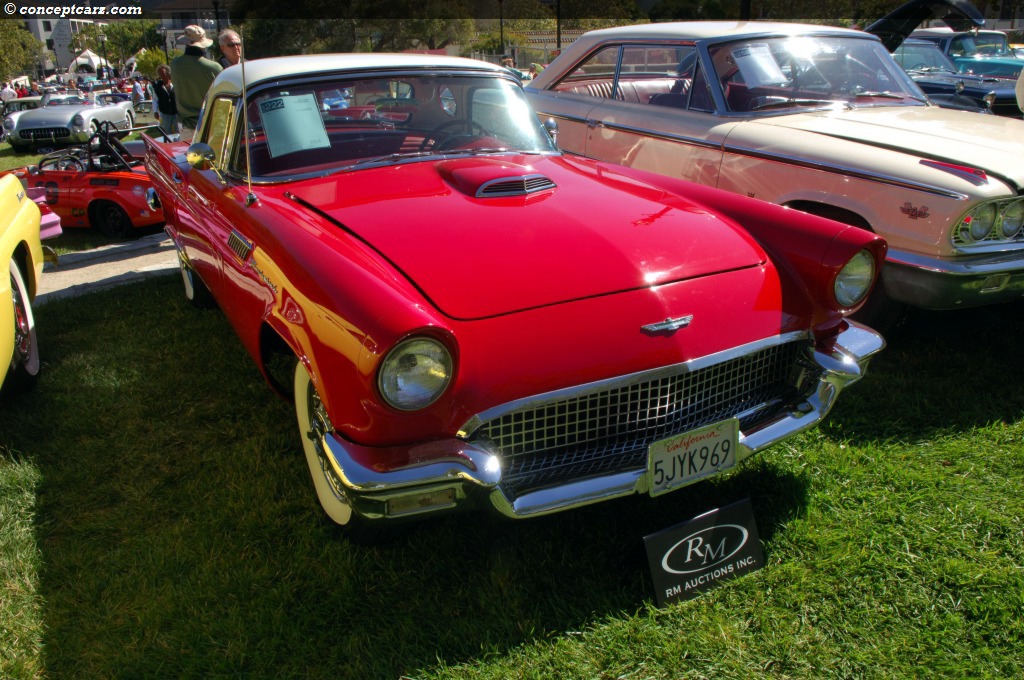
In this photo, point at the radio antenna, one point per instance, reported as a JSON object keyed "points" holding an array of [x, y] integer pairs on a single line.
{"points": [[250, 198]]}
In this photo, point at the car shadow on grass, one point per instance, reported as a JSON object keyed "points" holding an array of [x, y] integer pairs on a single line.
{"points": [[179, 535], [941, 372]]}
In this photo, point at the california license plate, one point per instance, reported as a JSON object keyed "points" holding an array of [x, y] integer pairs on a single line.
{"points": [[685, 458]]}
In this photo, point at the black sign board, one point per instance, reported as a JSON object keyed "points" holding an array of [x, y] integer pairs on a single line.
{"points": [[700, 554]]}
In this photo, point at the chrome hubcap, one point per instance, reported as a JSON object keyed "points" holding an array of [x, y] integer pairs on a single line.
{"points": [[22, 330]]}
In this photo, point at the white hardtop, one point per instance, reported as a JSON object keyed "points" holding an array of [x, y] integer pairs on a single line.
{"points": [[703, 30], [277, 68]]}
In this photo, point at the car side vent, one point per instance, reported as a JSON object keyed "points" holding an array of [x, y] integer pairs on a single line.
{"points": [[514, 186], [240, 245]]}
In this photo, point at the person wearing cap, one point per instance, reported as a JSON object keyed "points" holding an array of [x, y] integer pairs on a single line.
{"points": [[230, 44], [136, 92], [192, 74]]}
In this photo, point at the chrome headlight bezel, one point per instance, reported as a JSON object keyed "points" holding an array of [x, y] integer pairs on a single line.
{"points": [[415, 373], [8, 124], [990, 225], [853, 282], [78, 121]]}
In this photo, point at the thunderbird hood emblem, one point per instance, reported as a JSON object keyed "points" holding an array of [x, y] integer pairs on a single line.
{"points": [[668, 325]]}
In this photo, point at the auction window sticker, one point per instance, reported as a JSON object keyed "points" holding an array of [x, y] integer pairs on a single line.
{"points": [[293, 123], [758, 66]]}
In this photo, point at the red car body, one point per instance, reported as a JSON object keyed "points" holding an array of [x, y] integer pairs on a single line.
{"points": [[548, 296], [102, 185]]}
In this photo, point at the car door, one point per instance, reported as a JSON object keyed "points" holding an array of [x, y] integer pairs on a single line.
{"points": [[203, 225], [675, 132]]}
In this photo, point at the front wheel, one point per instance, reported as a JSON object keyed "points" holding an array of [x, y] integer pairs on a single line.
{"points": [[314, 426], [23, 370], [111, 219], [196, 291]]}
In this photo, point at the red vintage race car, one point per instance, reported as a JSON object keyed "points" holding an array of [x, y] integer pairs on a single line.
{"points": [[101, 184], [464, 316]]}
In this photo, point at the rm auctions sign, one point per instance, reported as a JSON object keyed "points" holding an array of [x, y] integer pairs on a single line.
{"points": [[700, 554]]}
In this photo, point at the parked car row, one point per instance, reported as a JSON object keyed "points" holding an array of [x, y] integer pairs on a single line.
{"points": [[632, 275]]}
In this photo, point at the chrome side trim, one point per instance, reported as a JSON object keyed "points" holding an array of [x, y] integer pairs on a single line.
{"points": [[850, 172], [964, 265], [471, 425], [879, 178]]}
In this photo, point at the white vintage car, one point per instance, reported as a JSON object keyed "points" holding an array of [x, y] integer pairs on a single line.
{"points": [[816, 118], [65, 119]]}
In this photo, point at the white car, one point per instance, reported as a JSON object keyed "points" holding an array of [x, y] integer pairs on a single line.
{"points": [[65, 119], [815, 118]]}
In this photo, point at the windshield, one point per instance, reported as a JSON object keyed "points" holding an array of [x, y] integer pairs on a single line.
{"points": [[982, 44], [924, 57], [342, 124], [773, 74]]}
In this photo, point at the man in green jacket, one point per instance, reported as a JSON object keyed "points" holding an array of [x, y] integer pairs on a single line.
{"points": [[192, 74]]}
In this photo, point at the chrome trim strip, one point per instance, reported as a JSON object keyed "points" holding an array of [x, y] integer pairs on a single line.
{"points": [[789, 160], [965, 266], [526, 403], [858, 174], [664, 136]]}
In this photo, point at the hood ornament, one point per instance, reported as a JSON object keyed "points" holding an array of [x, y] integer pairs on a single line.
{"points": [[668, 325]]}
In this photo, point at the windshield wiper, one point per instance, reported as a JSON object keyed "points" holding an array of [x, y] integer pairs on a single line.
{"points": [[875, 93], [384, 159], [779, 103]]}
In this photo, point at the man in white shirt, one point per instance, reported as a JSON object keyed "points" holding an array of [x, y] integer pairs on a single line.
{"points": [[8, 93]]}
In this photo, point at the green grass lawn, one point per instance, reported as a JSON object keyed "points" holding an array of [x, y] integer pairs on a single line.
{"points": [[157, 520]]}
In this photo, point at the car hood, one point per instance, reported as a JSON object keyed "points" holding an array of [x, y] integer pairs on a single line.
{"points": [[50, 117], [477, 257], [894, 27], [990, 143]]}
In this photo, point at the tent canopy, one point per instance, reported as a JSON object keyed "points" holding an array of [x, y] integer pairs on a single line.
{"points": [[86, 62]]}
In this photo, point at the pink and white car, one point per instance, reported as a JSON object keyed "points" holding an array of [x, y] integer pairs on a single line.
{"points": [[814, 118]]}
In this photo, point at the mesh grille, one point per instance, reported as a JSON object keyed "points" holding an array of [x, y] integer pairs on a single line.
{"points": [[45, 133], [515, 186], [609, 431]]}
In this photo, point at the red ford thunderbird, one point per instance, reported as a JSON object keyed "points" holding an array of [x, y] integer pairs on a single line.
{"points": [[467, 317]]}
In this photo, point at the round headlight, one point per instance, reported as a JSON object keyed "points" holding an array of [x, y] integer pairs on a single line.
{"points": [[8, 123], [854, 279], [1013, 219], [78, 121], [979, 223], [415, 373]]}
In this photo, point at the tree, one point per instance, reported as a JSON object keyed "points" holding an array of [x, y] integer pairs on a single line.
{"points": [[19, 49], [148, 61], [125, 38]]}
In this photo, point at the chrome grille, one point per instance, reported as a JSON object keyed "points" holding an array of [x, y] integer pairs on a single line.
{"points": [[45, 133], [609, 431], [514, 186]]}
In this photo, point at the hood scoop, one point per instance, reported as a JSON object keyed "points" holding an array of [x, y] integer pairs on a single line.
{"points": [[494, 178], [514, 186]]}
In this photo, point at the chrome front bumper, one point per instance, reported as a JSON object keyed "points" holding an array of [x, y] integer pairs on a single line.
{"points": [[932, 283], [457, 472]]}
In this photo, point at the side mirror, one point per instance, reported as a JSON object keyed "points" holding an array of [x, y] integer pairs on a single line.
{"points": [[33, 169], [201, 157], [552, 128]]}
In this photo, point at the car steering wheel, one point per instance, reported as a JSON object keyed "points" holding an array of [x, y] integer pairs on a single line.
{"points": [[70, 163], [448, 140]]}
